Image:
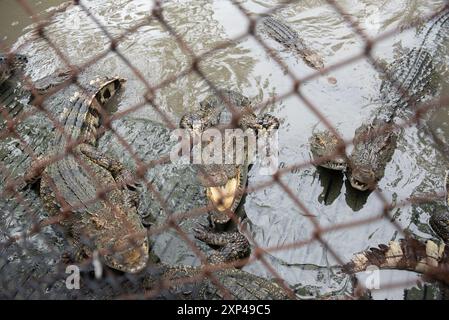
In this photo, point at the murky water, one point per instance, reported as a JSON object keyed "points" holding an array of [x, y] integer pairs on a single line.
{"points": [[416, 167]]}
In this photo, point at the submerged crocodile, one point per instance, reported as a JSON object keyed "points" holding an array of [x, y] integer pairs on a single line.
{"points": [[428, 258], [72, 186], [225, 183], [408, 80], [324, 145], [289, 38]]}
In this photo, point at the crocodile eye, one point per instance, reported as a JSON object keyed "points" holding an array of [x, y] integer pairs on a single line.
{"points": [[106, 94], [319, 141]]}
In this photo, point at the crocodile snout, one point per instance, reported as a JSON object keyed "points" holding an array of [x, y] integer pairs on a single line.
{"points": [[132, 259]]}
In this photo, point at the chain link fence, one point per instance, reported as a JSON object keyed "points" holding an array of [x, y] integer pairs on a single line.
{"points": [[32, 254]]}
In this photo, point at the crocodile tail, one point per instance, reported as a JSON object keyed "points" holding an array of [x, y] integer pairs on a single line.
{"points": [[405, 254]]}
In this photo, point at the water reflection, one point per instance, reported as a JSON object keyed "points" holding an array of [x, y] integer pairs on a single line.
{"points": [[354, 198], [331, 181]]}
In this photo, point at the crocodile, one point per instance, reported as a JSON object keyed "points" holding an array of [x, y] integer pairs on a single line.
{"points": [[225, 183], [97, 220], [439, 221], [15, 95], [290, 39], [409, 79], [375, 140], [239, 284], [161, 281], [36, 270], [10, 64], [429, 258], [324, 144]]}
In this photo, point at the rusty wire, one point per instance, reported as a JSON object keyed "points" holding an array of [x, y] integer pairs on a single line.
{"points": [[143, 165]]}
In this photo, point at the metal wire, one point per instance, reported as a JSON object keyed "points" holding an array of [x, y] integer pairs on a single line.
{"points": [[37, 279]]}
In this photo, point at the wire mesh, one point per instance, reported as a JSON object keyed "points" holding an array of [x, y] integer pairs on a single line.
{"points": [[32, 258]]}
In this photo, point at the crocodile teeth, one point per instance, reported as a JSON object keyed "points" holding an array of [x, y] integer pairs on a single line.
{"points": [[223, 197], [358, 185]]}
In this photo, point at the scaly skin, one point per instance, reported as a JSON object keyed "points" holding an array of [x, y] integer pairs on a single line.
{"points": [[374, 145], [108, 223], [15, 95], [406, 254], [289, 38], [233, 245], [375, 140], [9, 64], [240, 284], [408, 80], [325, 144], [440, 221], [225, 183]]}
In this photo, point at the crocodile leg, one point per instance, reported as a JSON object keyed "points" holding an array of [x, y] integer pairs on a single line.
{"points": [[233, 245], [34, 172], [121, 174]]}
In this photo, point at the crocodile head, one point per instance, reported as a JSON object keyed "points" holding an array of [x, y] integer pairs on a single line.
{"points": [[9, 64], [194, 123], [362, 178], [374, 145], [129, 254], [325, 144], [115, 229]]}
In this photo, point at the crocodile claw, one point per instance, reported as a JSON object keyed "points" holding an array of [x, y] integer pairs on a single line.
{"points": [[201, 232]]}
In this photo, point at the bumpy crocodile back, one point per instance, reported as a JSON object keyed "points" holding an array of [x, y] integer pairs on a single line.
{"points": [[436, 31], [405, 254], [233, 99], [409, 77], [281, 32], [239, 284]]}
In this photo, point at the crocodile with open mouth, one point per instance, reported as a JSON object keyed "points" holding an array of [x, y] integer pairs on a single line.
{"points": [[91, 195], [225, 183]]}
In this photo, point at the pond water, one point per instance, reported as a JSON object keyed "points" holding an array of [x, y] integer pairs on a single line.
{"points": [[416, 168]]}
